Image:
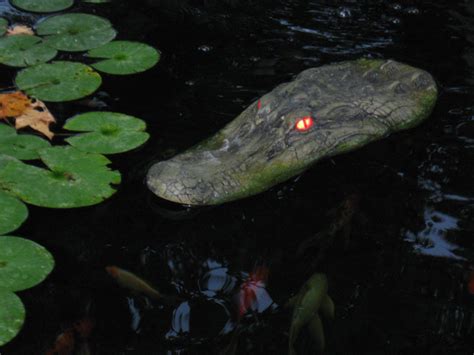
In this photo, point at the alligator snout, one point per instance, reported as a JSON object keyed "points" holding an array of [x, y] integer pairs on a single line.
{"points": [[324, 111]]}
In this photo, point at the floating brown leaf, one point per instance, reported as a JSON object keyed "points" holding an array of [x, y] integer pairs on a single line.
{"points": [[20, 30], [13, 104], [37, 117], [27, 112]]}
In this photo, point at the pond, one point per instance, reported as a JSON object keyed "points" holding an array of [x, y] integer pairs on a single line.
{"points": [[402, 274]]}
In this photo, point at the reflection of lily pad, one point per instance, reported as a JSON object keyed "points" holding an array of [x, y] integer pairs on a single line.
{"points": [[24, 50], [42, 5], [76, 32], [12, 316], [75, 178], [23, 263], [108, 132], [124, 57], [3, 26], [13, 213], [59, 81], [23, 146]]}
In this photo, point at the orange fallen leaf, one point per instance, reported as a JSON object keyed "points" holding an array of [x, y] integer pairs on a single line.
{"points": [[37, 117], [20, 30], [13, 104], [27, 112]]}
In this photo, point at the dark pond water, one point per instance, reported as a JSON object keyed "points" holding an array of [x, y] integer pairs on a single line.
{"points": [[400, 281]]}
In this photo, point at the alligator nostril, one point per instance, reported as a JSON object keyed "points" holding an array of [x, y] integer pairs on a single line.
{"points": [[398, 87], [390, 67], [420, 81], [372, 76]]}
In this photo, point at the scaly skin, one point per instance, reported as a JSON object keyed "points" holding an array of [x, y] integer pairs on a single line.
{"points": [[352, 103]]}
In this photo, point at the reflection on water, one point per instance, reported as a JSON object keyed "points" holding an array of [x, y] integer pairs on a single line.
{"points": [[433, 239]]}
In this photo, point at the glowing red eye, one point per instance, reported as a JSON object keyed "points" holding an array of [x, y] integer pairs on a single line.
{"points": [[259, 104], [304, 123]]}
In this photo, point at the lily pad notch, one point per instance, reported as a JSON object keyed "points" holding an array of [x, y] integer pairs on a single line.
{"points": [[59, 81], [24, 50], [74, 179], [76, 32], [106, 132], [124, 57]]}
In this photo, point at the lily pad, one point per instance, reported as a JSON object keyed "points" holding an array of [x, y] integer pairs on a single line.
{"points": [[12, 316], [76, 32], [108, 132], [13, 213], [125, 57], [42, 5], [58, 81], [23, 146], [74, 178], [3, 26], [23, 263], [24, 50]]}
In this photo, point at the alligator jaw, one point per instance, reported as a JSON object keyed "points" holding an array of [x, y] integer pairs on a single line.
{"points": [[350, 103]]}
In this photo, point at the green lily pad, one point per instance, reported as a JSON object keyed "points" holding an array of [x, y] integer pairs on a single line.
{"points": [[42, 5], [24, 50], [58, 81], [12, 316], [13, 213], [108, 132], [20, 146], [124, 57], [3, 26], [76, 32], [23, 263], [74, 178]]}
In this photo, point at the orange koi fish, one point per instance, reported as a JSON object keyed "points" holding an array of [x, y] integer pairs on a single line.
{"points": [[64, 343], [131, 281], [470, 284], [251, 289]]}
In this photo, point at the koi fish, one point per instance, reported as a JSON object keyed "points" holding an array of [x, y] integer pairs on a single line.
{"points": [[341, 224], [311, 300], [470, 285], [252, 289], [134, 283], [66, 342]]}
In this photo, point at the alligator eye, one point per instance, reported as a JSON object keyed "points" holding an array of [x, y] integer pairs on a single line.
{"points": [[304, 123], [259, 104]]}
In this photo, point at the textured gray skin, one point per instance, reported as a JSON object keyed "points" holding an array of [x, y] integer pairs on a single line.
{"points": [[352, 103]]}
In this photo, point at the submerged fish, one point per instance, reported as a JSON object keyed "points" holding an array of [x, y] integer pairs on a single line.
{"points": [[470, 285], [64, 343], [73, 341], [134, 283], [252, 289], [311, 302], [341, 224], [307, 304]]}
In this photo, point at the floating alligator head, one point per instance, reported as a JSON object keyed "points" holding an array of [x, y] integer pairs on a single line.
{"points": [[323, 112]]}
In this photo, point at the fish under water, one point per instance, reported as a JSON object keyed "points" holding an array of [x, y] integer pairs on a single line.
{"points": [[136, 284], [73, 340], [251, 289], [311, 302]]}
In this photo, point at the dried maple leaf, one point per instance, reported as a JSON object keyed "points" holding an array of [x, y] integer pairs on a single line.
{"points": [[37, 117], [20, 30], [13, 104]]}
